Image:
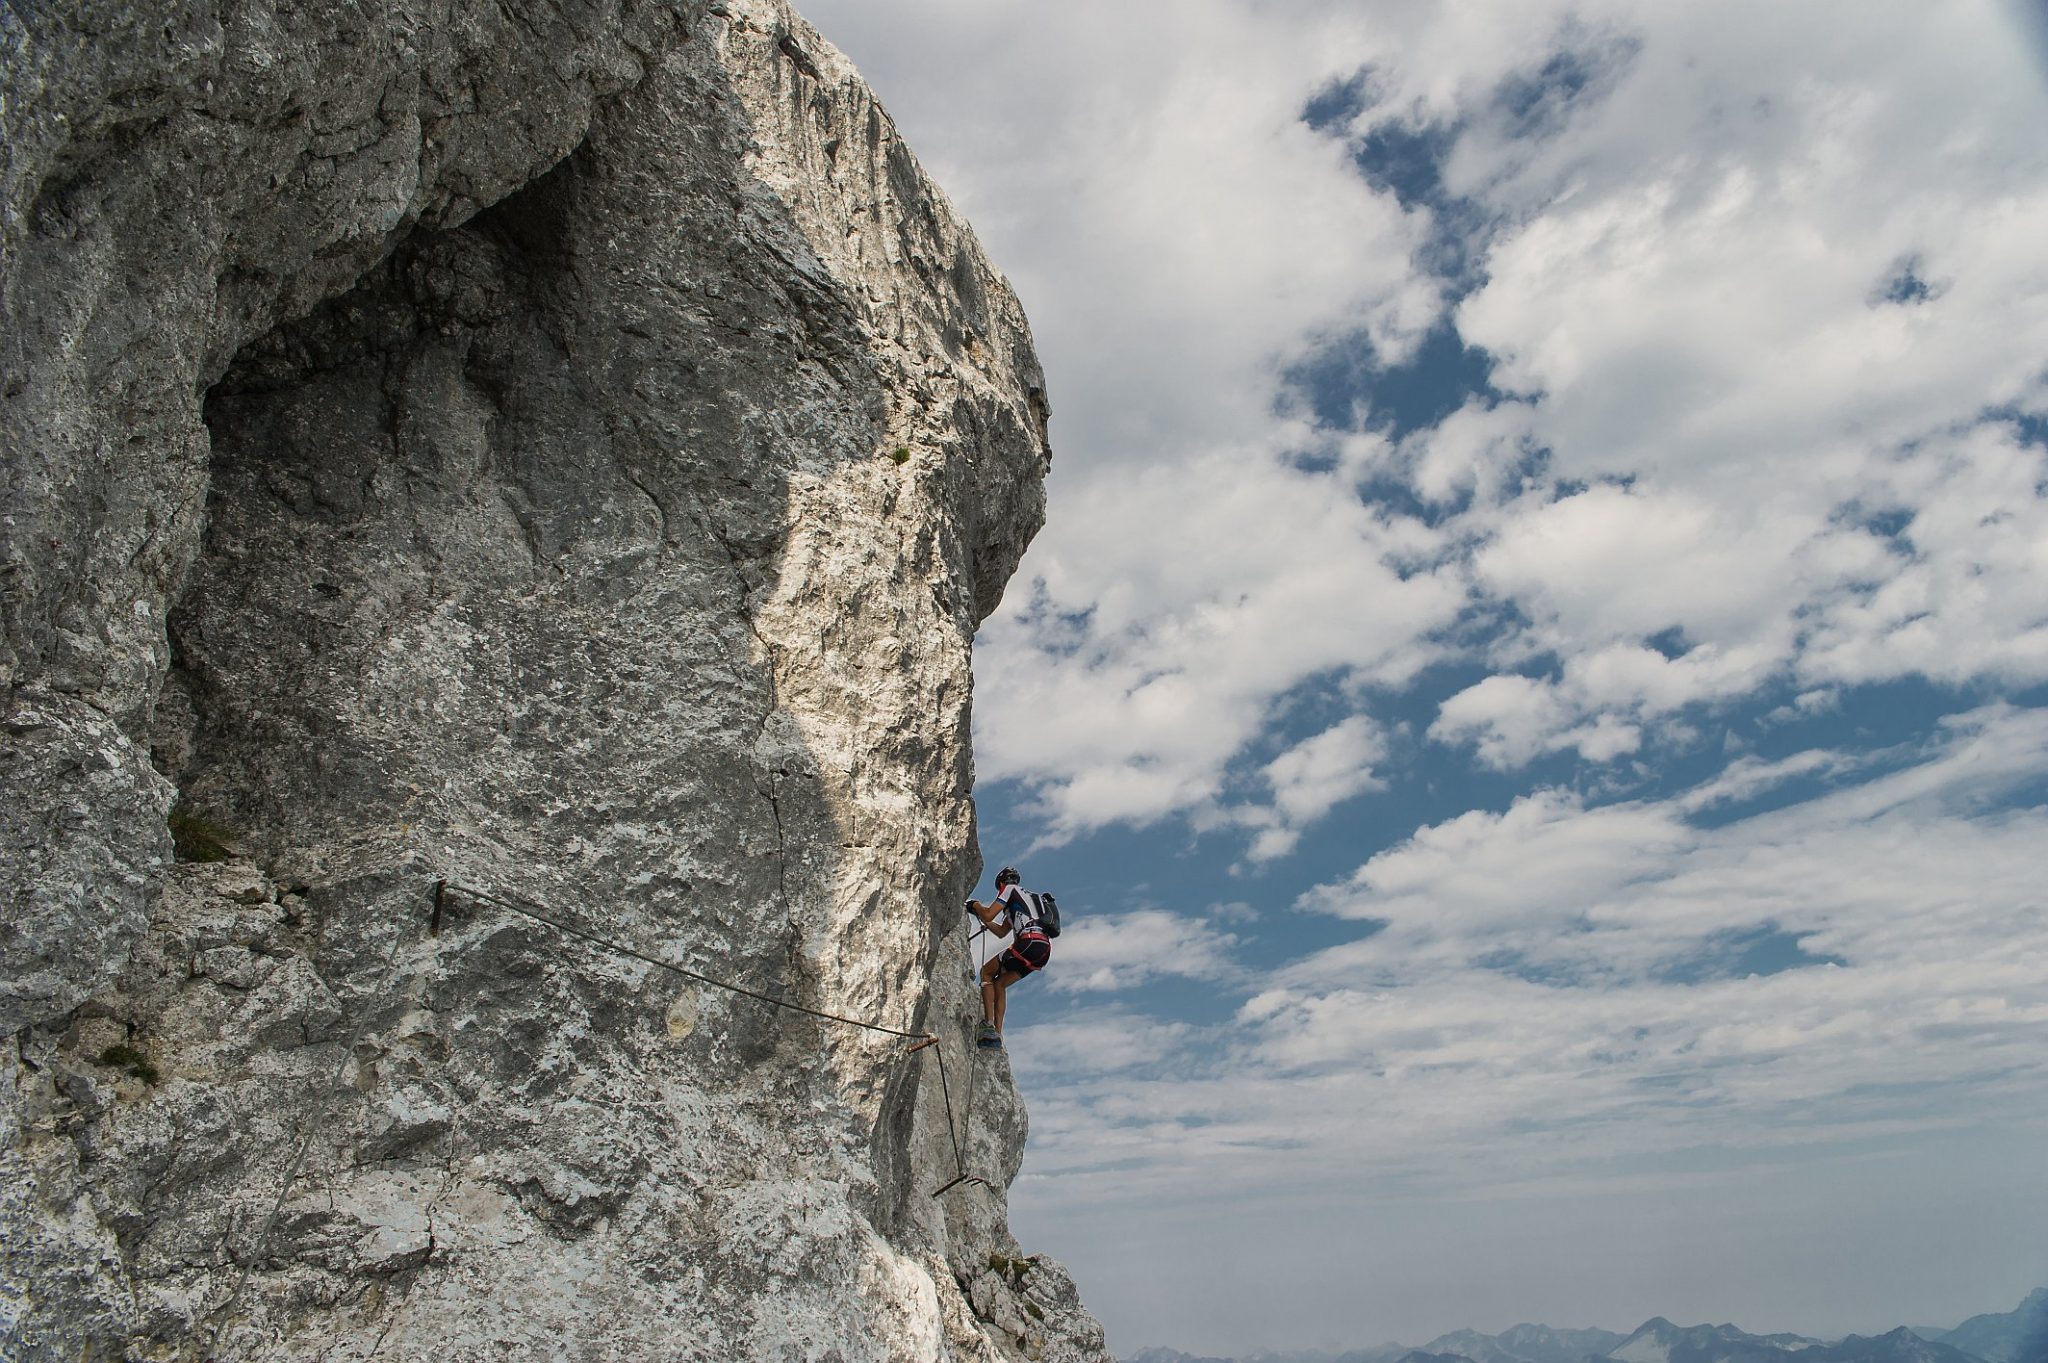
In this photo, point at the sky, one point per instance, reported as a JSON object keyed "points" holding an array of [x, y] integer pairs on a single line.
{"points": [[1533, 693]]}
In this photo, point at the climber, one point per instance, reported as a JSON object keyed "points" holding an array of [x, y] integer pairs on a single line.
{"points": [[1034, 919]]}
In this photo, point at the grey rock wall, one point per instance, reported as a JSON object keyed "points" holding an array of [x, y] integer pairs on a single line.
{"points": [[559, 449]]}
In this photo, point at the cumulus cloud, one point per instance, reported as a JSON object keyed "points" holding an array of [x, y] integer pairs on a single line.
{"points": [[1116, 951], [1689, 285], [1757, 597], [1536, 869], [1511, 718], [1476, 450], [1622, 562], [1092, 1042], [1748, 777], [1967, 604], [1518, 1008], [1698, 294], [1306, 782], [1143, 666], [1319, 772], [1682, 220], [1555, 887]]}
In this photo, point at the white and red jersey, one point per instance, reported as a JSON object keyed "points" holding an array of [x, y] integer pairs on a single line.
{"points": [[1020, 911]]}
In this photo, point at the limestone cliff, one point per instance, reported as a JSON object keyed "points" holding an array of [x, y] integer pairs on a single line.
{"points": [[562, 449]]}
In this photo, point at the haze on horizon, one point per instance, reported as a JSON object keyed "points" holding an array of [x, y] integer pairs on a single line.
{"points": [[1532, 691]]}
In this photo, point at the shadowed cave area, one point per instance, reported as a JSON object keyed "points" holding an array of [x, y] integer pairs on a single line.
{"points": [[460, 612]]}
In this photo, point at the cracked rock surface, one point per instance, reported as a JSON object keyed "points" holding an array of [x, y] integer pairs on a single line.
{"points": [[559, 450]]}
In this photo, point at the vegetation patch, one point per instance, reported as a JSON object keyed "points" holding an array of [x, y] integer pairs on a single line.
{"points": [[1012, 1269], [194, 837], [901, 454], [126, 1057]]}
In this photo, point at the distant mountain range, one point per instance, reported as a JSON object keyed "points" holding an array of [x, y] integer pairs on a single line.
{"points": [[2016, 1336]]}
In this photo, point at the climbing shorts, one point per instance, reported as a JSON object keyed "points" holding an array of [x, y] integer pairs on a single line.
{"points": [[1029, 954]]}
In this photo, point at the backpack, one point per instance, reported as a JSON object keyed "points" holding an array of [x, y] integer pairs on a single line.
{"points": [[1048, 912]]}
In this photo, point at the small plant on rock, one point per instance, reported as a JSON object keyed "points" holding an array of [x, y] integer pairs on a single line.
{"points": [[125, 1057], [197, 838], [1013, 1270]]}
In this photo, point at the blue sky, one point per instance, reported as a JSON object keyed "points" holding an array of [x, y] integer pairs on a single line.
{"points": [[1534, 691]]}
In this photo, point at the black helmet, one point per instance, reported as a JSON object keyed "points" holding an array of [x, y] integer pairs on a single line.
{"points": [[1008, 876]]}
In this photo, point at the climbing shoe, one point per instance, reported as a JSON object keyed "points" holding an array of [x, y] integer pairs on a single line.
{"points": [[988, 1038]]}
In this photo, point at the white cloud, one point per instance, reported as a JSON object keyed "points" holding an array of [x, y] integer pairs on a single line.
{"points": [[1687, 295], [1474, 450], [1509, 718], [1116, 951], [1598, 571], [1093, 1042], [1307, 782], [1525, 1012], [1544, 861], [1758, 599], [1333, 766], [1747, 777], [1553, 885], [1615, 562], [1679, 278], [1969, 604], [1242, 578]]}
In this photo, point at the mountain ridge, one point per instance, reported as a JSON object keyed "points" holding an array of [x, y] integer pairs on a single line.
{"points": [[2016, 1336], [2004, 1336]]}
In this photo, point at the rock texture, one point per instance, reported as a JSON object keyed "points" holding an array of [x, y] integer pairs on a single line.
{"points": [[559, 449]]}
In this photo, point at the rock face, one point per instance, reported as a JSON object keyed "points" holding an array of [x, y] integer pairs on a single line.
{"points": [[561, 450]]}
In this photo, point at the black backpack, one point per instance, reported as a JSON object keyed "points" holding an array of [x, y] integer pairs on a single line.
{"points": [[1048, 913]]}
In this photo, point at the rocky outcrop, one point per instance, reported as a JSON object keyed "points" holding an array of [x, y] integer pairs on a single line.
{"points": [[560, 450]]}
